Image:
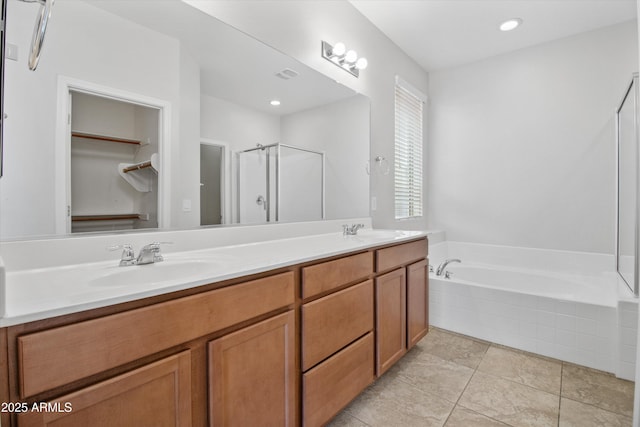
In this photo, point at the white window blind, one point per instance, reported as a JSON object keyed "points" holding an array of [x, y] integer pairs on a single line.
{"points": [[409, 105]]}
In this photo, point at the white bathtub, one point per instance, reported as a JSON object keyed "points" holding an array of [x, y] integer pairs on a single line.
{"points": [[566, 305]]}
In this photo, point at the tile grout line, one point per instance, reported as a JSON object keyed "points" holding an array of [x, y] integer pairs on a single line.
{"points": [[587, 403], [560, 391], [457, 403]]}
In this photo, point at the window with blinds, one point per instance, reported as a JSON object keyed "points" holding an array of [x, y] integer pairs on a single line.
{"points": [[409, 104]]}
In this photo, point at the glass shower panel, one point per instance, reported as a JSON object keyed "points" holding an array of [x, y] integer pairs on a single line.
{"points": [[252, 186], [301, 181], [627, 140]]}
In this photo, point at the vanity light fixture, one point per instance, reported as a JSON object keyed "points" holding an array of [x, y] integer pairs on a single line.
{"points": [[343, 58], [510, 24], [274, 102]]}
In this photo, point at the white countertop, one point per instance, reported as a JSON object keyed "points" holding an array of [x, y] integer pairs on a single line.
{"points": [[41, 293]]}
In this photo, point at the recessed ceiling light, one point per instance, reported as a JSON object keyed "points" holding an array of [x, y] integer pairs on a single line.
{"points": [[275, 102], [510, 24]]}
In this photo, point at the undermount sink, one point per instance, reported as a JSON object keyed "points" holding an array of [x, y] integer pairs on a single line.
{"points": [[150, 273], [383, 234]]}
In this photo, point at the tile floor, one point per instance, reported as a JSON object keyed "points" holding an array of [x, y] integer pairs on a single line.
{"points": [[456, 381]]}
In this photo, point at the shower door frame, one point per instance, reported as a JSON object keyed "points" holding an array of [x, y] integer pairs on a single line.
{"points": [[632, 90], [278, 146]]}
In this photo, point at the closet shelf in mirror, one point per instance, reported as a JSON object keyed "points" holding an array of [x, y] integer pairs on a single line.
{"points": [[137, 166], [143, 175], [109, 217], [106, 138]]}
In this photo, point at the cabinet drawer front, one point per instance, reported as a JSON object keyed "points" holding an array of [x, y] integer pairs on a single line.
{"points": [[153, 395], [395, 256], [62, 355], [332, 322], [332, 274], [330, 386]]}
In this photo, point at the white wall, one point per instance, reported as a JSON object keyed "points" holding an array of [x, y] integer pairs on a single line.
{"points": [[341, 130], [237, 125], [521, 146], [185, 152], [297, 28]]}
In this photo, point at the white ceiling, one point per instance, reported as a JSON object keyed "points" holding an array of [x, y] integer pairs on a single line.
{"points": [[445, 33]]}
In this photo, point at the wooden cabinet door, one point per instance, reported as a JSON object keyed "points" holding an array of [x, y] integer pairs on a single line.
{"points": [[158, 394], [252, 375], [391, 322], [417, 302]]}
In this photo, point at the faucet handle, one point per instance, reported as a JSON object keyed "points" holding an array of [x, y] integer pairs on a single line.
{"points": [[155, 248], [128, 255]]}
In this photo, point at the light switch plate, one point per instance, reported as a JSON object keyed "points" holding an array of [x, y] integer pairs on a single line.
{"points": [[11, 51]]}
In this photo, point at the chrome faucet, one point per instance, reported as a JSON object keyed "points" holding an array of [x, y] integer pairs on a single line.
{"points": [[149, 254], [351, 230], [444, 264]]}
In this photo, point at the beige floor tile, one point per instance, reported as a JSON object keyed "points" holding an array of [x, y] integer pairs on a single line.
{"points": [[434, 375], [394, 403], [344, 419], [510, 402], [523, 368], [453, 347], [462, 417], [598, 389], [576, 414]]}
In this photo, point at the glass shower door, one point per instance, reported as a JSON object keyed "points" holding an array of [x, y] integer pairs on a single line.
{"points": [[253, 186], [627, 226]]}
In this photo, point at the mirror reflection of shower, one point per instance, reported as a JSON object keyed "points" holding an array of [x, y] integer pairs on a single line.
{"points": [[279, 182]]}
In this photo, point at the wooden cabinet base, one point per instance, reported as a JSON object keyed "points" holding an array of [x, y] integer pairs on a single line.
{"points": [[331, 385], [155, 395]]}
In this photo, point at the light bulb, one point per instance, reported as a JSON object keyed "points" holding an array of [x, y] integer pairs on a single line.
{"points": [[511, 24], [338, 49], [351, 57], [362, 63]]}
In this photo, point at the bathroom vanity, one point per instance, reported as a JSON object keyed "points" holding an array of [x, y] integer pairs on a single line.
{"points": [[287, 346]]}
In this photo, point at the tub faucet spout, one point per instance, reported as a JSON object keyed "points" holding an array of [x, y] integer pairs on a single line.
{"points": [[444, 264]]}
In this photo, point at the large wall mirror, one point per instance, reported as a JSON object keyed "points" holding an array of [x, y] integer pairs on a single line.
{"points": [[627, 209], [153, 114]]}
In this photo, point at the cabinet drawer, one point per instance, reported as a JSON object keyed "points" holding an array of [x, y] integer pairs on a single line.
{"points": [[332, 322], [332, 274], [153, 395], [62, 355], [330, 386], [395, 256]]}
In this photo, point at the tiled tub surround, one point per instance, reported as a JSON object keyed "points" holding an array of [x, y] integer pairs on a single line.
{"points": [[566, 305], [60, 276]]}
